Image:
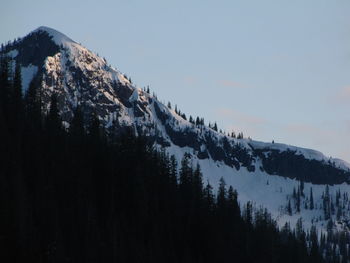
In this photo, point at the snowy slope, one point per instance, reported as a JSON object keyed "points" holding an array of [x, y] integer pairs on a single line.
{"points": [[273, 192], [259, 171]]}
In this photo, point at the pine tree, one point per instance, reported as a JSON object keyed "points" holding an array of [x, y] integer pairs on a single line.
{"points": [[326, 204], [17, 98], [314, 250], [5, 85], [289, 208], [332, 207], [298, 201], [14, 101], [294, 194], [173, 170], [197, 121], [76, 129], [339, 213], [299, 230], [248, 213], [53, 120], [197, 183], [222, 194], [233, 200], [33, 103], [185, 177], [209, 197], [330, 225], [94, 128], [311, 199], [215, 127], [191, 120], [302, 188], [337, 198]]}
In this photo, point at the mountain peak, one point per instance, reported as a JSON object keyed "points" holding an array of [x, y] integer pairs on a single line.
{"points": [[58, 37]]}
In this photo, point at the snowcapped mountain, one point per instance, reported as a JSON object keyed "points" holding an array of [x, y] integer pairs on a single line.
{"points": [[267, 174]]}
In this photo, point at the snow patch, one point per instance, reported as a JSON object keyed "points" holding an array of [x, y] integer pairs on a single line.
{"points": [[134, 96], [12, 53]]}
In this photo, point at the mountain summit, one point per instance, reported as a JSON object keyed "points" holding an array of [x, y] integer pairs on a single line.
{"points": [[57, 37], [263, 173]]}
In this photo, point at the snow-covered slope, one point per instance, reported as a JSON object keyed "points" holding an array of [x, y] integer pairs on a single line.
{"points": [[263, 173]]}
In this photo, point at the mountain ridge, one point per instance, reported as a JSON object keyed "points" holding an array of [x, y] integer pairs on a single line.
{"points": [[58, 37], [78, 77]]}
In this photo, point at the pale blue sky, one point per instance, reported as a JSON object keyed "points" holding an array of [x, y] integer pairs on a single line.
{"points": [[272, 69]]}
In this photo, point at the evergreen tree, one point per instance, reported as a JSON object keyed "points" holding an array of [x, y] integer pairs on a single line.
{"points": [[289, 208], [326, 204], [33, 103], [94, 128], [209, 197], [5, 92], [339, 213], [191, 120], [222, 194], [248, 213], [294, 194], [302, 188], [299, 230], [232, 199], [311, 199], [197, 184], [173, 170], [17, 100], [215, 127], [197, 121], [240, 135], [185, 177], [337, 197], [77, 129], [298, 201], [314, 251], [53, 119]]}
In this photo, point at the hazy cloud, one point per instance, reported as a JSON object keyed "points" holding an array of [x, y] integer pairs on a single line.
{"points": [[233, 84], [342, 95], [250, 125], [302, 128], [190, 80], [240, 116], [326, 138]]}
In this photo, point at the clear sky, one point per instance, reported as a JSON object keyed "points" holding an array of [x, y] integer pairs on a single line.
{"points": [[272, 69]]}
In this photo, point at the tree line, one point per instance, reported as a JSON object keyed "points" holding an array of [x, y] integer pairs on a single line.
{"points": [[81, 194]]}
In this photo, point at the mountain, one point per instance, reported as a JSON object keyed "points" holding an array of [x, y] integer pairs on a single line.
{"points": [[270, 175]]}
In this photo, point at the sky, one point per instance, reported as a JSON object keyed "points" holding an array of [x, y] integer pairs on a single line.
{"points": [[275, 70]]}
